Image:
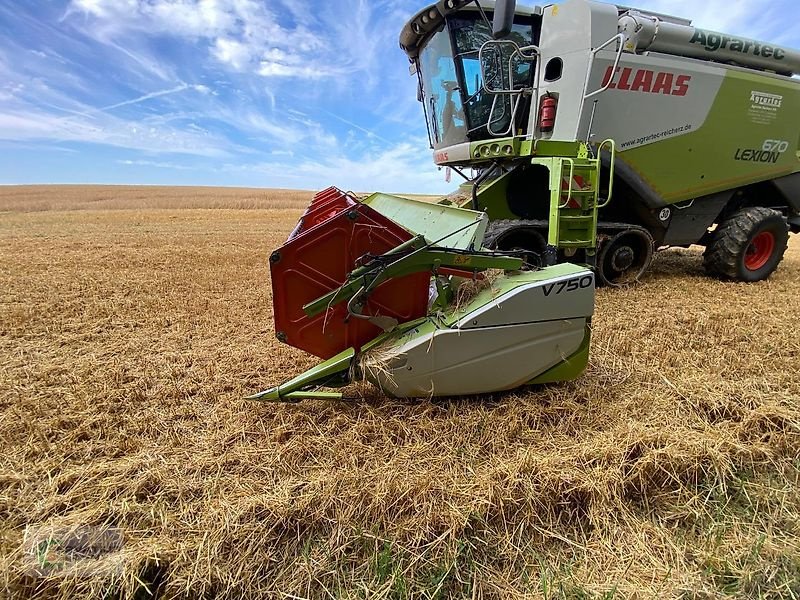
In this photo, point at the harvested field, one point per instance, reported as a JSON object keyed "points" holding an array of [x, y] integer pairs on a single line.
{"points": [[129, 336]]}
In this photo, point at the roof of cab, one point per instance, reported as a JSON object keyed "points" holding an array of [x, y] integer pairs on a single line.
{"points": [[429, 20]]}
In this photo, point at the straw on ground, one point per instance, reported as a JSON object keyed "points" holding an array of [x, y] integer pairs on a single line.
{"points": [[132, 323]]}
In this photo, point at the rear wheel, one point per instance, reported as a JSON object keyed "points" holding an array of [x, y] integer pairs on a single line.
{"points": [[748, 245]]}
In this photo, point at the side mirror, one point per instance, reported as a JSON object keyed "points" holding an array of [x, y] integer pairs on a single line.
{"points": [[503, 18]]}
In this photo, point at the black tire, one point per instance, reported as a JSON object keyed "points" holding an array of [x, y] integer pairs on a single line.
{"points": [[519, 237], [748, 245]]}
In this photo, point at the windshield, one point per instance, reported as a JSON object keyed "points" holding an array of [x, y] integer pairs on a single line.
{"points": [[442, 98], [456, 107]]}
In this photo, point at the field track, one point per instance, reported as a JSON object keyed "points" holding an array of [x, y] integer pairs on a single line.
{"points": [[133, 320]]}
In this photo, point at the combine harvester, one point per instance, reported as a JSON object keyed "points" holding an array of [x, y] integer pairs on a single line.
{"points": [[398, 292], [695, 132]]}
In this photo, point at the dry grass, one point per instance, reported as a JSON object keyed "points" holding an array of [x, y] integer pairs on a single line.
{"points": [[128, 337], [38, 198]]}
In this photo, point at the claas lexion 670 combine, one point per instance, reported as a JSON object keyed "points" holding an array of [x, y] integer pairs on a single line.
{"points": [[593, 135]]}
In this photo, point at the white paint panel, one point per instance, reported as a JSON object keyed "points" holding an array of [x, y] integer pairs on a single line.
{"points": [[454, 362], [637, 117]]}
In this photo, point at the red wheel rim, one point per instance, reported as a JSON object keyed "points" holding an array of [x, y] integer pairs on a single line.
{"points": [[759, 251]]}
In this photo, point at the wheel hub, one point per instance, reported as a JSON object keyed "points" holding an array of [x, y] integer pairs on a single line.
{"points": [[622, 258], [759, 251]]}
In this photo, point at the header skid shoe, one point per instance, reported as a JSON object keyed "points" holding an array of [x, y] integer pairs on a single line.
{"points": [[382, 300]]}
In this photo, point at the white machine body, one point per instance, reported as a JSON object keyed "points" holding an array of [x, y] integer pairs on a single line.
{"points": [[501, 340]]}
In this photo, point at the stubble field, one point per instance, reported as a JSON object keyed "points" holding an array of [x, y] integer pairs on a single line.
{"points": [[133, 320]]}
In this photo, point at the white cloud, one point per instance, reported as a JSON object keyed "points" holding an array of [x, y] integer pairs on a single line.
{"points": [[231, 52], [276, 69], [287, 131], [331, 40], [157, 165], [244, 35], [101, 8], [10, 90], [206, 18]]}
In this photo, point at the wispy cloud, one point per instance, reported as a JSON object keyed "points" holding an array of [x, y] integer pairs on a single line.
{"points": [[31, 125], [156, 164], [742, 17], [399, 168], [369, 132], [144, 98]]}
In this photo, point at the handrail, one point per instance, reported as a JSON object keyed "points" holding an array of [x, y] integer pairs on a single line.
{"points": [[571, 175], [512, 121], [617, 38], [491, 120], [534, 51], [527, 53], [613, 146]]}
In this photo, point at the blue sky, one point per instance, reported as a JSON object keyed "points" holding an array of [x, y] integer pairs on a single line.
{"points": [[265, 93]]}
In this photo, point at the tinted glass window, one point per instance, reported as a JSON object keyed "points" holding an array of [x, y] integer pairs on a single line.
{"points": [[442, 95], [469, 35]]}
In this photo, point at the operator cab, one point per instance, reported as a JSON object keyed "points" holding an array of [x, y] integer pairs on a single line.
{"points": [[443, 43]]}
